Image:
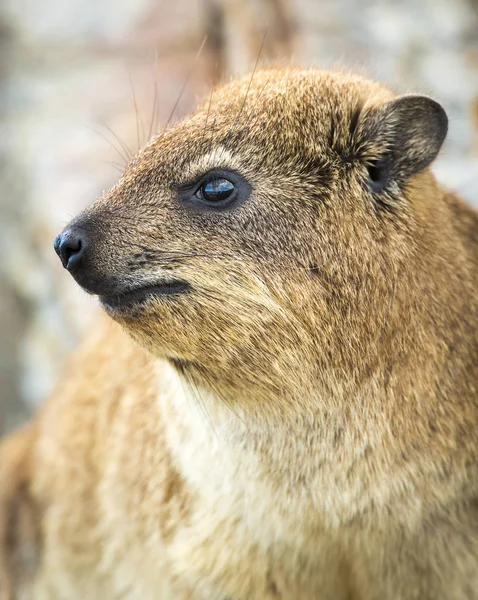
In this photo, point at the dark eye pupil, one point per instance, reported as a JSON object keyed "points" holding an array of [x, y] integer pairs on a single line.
{"points": [[217, 190]]}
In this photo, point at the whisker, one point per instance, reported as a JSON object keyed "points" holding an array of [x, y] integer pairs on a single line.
{"points": [[200, 400], [155, 100], [258, 97], [204, 406], [213, 131], [220, 395], [208, 109], [126, 150], [248, 89], [186, 81], [223, 397], [115, 165], [138, 118], [110, 143], [186, 378]]}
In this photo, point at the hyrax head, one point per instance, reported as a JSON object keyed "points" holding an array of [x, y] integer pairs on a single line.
{"points": [[257, 241]]}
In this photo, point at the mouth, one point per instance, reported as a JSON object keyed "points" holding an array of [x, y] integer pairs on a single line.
{"points": [[137, 296]]}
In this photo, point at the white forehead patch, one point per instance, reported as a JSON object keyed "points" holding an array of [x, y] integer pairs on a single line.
{"points": [[218, 158]]}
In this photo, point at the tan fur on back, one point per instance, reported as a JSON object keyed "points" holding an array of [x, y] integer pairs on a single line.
{"points": [[304, 423]]}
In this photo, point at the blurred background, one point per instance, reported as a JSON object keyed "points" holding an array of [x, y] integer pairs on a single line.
{"points": [[85, 82]]}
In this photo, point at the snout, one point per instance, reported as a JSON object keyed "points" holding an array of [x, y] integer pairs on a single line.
{"points": [[79, 255], [97, 266], [71, 246]]}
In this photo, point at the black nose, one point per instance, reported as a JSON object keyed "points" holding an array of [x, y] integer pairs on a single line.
{"points": [[71, 247]]}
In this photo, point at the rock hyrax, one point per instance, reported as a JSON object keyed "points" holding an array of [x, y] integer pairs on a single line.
{"points": [[282, 402]]}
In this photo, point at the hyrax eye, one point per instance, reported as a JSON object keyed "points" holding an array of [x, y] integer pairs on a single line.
{"points": [[216, 190]]}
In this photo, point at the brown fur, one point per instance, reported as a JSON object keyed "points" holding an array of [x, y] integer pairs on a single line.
{"points": [[19, 542], [303, 423]]}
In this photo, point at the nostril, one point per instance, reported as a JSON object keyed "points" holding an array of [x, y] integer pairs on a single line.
{"points": [[70, 247]]}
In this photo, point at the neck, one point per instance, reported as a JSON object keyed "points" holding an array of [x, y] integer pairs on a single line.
{"points": [[367, 443]]}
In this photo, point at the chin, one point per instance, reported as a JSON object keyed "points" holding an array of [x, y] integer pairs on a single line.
{"points": [[134, 300]]}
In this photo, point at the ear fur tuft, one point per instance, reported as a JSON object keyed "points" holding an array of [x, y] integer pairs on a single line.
{"points": [[401, 137]]}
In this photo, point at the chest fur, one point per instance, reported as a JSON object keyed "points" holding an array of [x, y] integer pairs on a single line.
{"points": [[224, 508]]}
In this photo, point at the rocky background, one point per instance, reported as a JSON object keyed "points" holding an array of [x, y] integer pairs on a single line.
{"points": [[84, 82]]}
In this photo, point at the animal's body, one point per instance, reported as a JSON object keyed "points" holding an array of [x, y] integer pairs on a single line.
{"points": [[286, 406]]}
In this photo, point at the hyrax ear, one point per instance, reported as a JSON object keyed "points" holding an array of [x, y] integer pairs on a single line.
{"points": [[401, 137]]}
